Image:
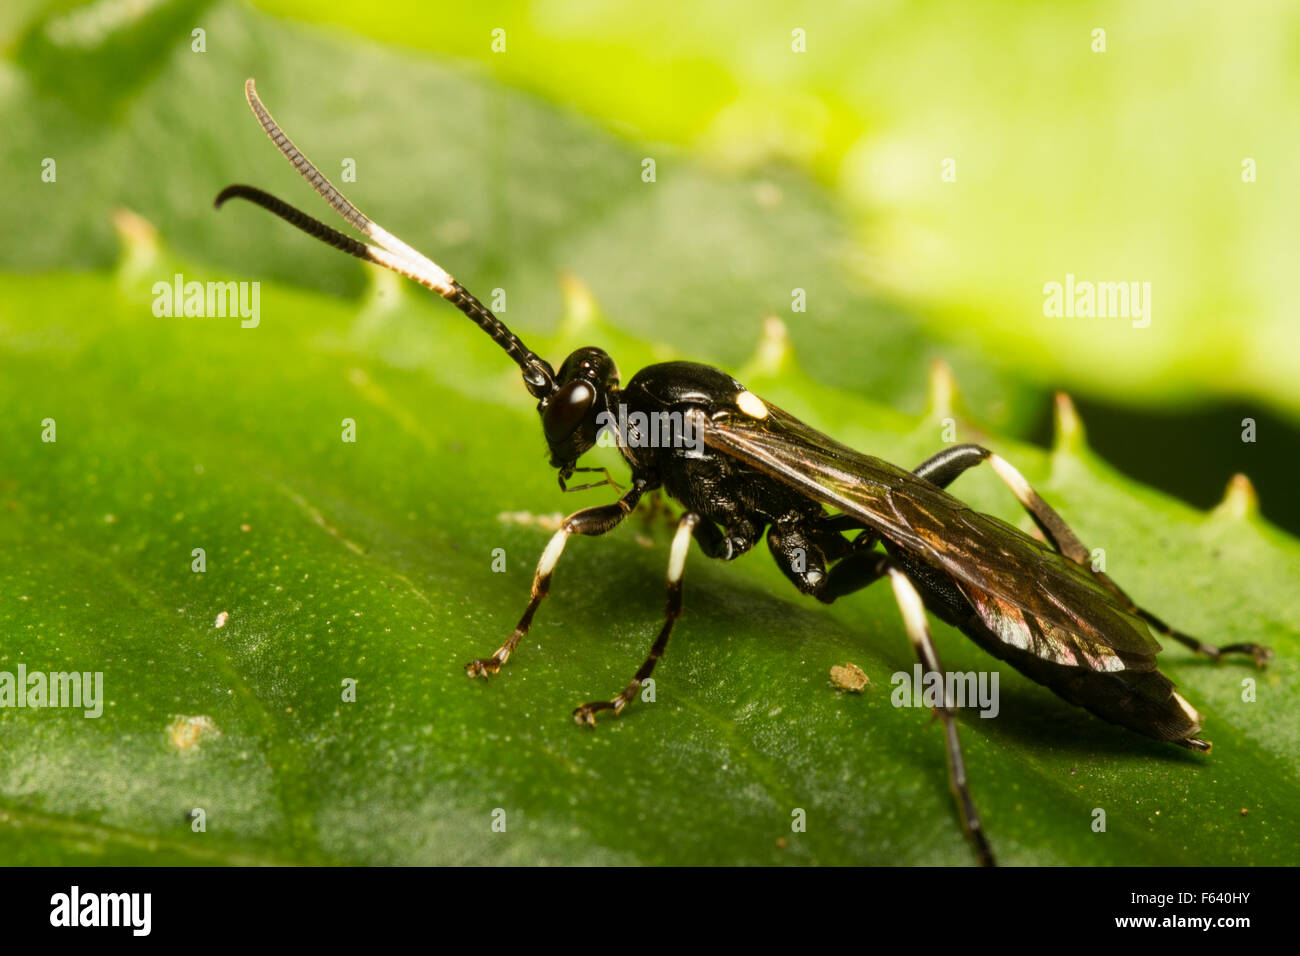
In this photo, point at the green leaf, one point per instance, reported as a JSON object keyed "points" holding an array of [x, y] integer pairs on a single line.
{"points": [[329, 561], [372, 561]]}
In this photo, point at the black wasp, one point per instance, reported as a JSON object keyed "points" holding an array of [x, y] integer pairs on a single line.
{"points": [[740, 466]]}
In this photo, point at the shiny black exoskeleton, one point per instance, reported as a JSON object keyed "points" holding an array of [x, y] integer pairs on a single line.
{"points": [[735, 502]]}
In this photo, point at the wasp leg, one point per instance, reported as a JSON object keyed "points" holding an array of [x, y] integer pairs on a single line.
{"points": [[944, 467], [802, 553], [864, 541], [609, 480], [586, 714], [589, 521], [918, 631]]}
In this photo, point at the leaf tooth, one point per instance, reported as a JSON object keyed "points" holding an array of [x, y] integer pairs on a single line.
{"points": [[139, 241], [774, 355], [1069, 434], [943, 390], [1240, 500], [579, 303], [385, 290]]}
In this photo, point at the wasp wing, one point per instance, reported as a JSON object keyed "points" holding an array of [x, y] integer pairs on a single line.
{"points": [[1029, 595]]}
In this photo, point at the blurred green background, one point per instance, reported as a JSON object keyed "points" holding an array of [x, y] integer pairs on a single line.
{"points": [[820, 168], [1122, 165]]}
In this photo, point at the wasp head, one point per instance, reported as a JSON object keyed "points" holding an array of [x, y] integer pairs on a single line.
{"points": [[586, 386]]}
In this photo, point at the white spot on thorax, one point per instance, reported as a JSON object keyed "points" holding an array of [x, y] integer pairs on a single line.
{"points": [[751, 405]]}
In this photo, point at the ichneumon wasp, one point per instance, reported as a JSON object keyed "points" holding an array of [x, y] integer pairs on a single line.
{"points": [[741, 467]]}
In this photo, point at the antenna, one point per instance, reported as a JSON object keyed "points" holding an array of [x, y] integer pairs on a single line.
{"points": [[387, 250]]}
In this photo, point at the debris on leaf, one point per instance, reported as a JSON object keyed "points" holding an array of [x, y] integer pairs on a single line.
{"points": [[186, 732], [850, 677], [549, 522]]}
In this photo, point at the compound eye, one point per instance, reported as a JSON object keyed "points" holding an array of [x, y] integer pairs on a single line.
{"points": [[567, 409]]}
